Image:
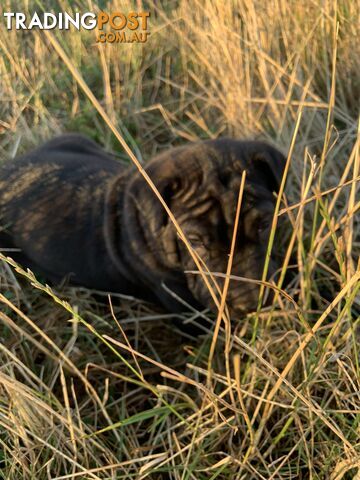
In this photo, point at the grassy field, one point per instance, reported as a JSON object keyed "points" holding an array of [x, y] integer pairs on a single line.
{"points": [[113, 389]]}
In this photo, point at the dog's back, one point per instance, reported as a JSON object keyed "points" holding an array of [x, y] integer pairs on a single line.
{"points": [[52, 203]]}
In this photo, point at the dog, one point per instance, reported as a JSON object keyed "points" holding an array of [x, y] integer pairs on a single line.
{"points": [[72, 210]]}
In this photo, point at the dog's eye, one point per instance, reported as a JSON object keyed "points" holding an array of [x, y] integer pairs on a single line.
{"points": [[263, 225], [194, 239], [176, 185], [225, 178], [257, 222]]}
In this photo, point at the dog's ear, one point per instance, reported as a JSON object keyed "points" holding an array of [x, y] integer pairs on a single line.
{"points": [[145, 218], [267, 168], [141, 201]]}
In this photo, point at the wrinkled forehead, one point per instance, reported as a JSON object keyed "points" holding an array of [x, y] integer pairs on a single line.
{"points": [[198, 162], [209, 158], [212, 170], [195, 163]]}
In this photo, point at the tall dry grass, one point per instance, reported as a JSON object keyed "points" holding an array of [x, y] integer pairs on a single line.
{"points": [[112, 390]]}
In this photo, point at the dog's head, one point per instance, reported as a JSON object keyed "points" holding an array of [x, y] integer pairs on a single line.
{"points": [[200, 183]]}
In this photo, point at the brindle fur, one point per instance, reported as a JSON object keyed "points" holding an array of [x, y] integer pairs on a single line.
{"points": [[74, 211]]}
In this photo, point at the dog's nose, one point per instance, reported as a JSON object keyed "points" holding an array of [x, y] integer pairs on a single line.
{"points": [[241, 300]]}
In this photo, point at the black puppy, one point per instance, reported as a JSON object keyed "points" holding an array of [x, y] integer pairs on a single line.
{"points": [[74, 211]]}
